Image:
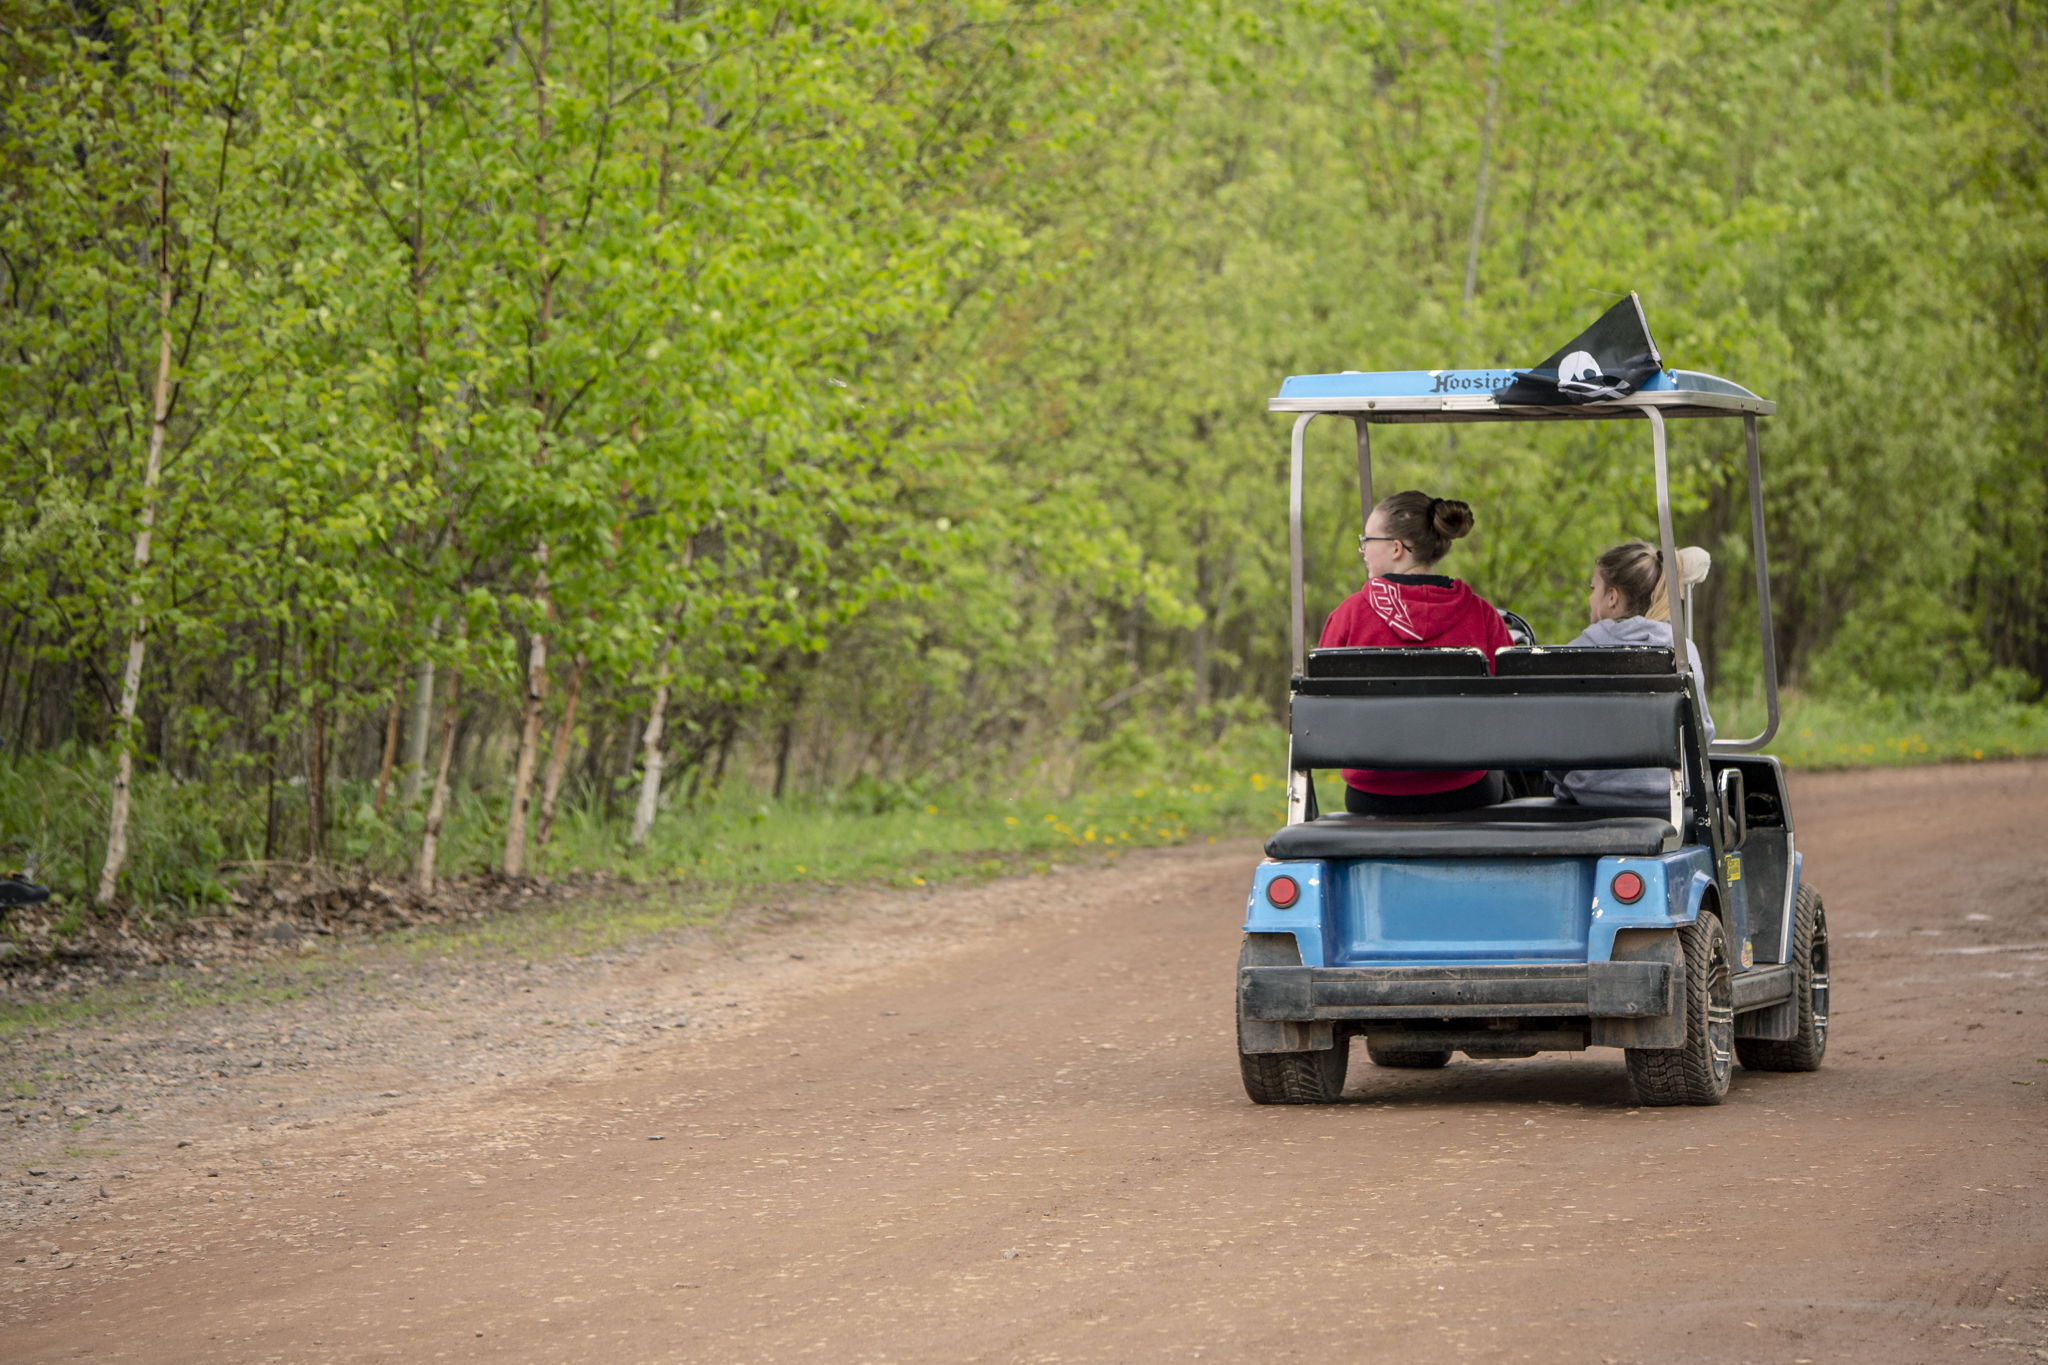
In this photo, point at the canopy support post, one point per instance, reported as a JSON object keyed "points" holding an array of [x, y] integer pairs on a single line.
{"points": [[1763, 599], [1298, 650], [1365, 498], [1298, 788], [1667, 545]]}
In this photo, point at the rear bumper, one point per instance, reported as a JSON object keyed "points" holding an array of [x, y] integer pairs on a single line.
{"points": [[1618, 990]]}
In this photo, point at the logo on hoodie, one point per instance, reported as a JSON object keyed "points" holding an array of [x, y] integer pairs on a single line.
{"points": [[1387, 602]]}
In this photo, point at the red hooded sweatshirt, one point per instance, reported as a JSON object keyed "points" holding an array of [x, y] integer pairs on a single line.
{"points": [[1414, 611]]}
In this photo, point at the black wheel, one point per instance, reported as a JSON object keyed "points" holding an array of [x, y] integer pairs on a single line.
{"points": [[1295, 1077], [1804, 1049], [1289, 1077], [1407, 1059], [1696, 1072]]}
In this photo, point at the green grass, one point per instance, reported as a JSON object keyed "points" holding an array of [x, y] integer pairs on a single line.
{"points": [[1817, 733], [1137, 789], [736, 849]]}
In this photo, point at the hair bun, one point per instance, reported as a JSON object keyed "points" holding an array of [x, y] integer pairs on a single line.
{"points": [[1451, 518]]}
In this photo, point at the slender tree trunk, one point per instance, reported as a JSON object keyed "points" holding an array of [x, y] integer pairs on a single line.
{"points": [[514, 864], [416, 239], [7, 667], [650, 738], [558, 757], [1485, 155], [785, 740], [131, 674], [416, 723], [29, 694], [537, 654], [388, 761], [725, 743], [316, 757], [437, 803], [276, 741]]}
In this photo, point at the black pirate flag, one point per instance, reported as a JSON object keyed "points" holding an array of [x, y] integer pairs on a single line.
{"points": [[1607, 360]]}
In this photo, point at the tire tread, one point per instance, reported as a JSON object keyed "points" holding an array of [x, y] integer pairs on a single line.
{"points": [[1685, 1074], [1804, 1050]]}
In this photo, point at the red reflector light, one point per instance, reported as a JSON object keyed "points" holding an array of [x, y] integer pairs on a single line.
{"points": [[1283, 892], [1627, 887]]}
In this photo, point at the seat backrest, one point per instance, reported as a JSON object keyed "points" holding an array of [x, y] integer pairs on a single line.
{"points": [[1494, 724], [1396, 663], [1597, 661]]}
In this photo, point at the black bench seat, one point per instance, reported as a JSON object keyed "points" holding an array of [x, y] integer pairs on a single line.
{"points": [[1534, 827]]}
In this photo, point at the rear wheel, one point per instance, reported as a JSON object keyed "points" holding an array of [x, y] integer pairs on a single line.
{"points": [[1804, 1049], [1295, 1077], [1695, 1072], [1406, 1058], [1289, 1077]]}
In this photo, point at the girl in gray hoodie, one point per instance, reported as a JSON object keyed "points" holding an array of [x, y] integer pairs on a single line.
{"points": [[1628, 606]]}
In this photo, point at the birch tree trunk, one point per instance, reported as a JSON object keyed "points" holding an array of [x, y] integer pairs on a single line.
{"points": [[422, 712], [417, 722], [558, 757], [514, 863], [650, 738], [437, 803], [131, 674]]}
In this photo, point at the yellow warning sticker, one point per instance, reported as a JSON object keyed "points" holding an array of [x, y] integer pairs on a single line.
{"points": [[1732, 864]]}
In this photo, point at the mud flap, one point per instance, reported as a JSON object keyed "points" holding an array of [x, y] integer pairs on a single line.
{"points": [[1656, 1030], [1277, 1035]]}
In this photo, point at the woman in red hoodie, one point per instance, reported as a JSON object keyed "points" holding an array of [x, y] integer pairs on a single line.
{"points": [[1405, 604]]}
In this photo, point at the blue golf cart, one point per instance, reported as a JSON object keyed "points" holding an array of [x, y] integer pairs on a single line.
{"points": [[1681, 934]]}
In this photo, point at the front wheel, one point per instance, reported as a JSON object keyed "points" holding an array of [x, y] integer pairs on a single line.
{"points": [[1696, 1071], [1804, 1049]]}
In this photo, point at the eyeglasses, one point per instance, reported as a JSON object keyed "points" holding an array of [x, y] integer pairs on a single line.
{"points": [[1362, 541]]}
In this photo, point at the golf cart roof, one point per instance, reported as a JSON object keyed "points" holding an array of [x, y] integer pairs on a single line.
{"points": [[1469, 396]]}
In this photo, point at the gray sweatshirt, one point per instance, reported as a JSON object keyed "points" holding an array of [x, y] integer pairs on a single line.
{"points": [[1635, 787]]}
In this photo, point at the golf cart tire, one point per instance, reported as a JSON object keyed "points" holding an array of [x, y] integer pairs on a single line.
{"points": [[1295, 1077], [1315, 1076], [1407, 1059], [1695, 1072], [1804, 1049]]}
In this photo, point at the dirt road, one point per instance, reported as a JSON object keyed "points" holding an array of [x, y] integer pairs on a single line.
{"points": [[1004, 1124]]}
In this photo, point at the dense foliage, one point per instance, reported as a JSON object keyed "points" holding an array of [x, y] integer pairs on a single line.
{"points": [[576, 403]]}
